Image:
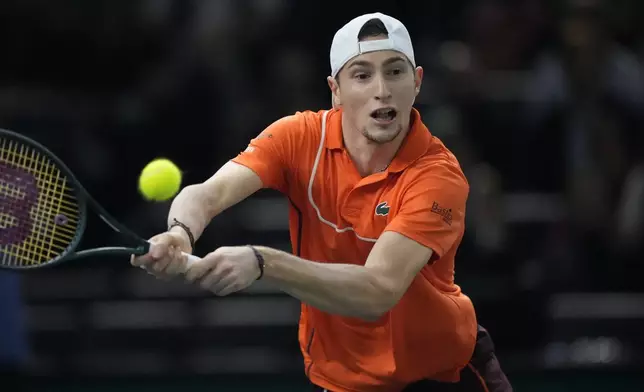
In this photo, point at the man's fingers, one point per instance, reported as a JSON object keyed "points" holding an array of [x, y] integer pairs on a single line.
{"points": [[164, 254], [198, 270], [229, 289], [177, 262], [159, 247], [171, 239], [171, 264], [224, 286], [161, 264], [141, 261], [210, 279]]}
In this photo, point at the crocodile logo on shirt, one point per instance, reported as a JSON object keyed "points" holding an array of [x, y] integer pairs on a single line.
{"points": [[382, 208]]}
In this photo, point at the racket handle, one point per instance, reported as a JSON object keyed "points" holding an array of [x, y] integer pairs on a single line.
{"points": [[191, 259]]}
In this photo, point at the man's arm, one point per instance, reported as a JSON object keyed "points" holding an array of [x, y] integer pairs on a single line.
{"points": [[196, 205], [365, 292], [428, 224], [262, 165]]}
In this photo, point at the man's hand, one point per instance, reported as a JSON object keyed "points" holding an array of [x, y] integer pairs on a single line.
{"points": [[165, 260], [226, 270]]}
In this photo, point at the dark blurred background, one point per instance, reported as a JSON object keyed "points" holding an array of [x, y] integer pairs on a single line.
{"points": [[542, 102]]}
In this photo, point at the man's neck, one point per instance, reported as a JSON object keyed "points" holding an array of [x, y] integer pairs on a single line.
{"points": [[367, 156]]}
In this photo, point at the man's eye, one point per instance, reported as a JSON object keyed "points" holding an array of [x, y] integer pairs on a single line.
{"points": [[362, 76], [396, 71]]}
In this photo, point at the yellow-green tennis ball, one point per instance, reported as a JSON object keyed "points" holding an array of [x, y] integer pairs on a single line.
{"points": [[160, 180]]}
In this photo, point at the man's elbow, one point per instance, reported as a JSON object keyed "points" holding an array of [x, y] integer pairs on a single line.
{"points": [[200, 196], [384, 298]]}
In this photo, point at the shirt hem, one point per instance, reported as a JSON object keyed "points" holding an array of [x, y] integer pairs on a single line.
{"points": [[325, 383]]}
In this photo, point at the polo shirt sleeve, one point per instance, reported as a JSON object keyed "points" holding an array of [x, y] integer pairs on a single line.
{"points": [[271, 155], [432, 209]]}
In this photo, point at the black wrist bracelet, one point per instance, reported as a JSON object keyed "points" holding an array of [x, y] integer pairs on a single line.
{"points": [[187, 230], [260, 261]]}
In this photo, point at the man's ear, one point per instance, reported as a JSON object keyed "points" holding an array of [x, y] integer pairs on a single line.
{"points": [[418, 78], [335, 91]]}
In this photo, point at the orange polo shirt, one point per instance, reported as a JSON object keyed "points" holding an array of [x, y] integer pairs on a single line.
{"points": [[336, 216]]}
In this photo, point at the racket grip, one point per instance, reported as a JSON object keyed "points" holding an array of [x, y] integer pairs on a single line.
{"points": [[191, 259]]}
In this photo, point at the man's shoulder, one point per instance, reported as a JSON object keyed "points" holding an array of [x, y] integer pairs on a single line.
{"points": [[438, 163], [314, 115], [301, 124]]}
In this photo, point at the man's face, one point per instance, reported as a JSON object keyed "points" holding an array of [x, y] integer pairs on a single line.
{"points": [[376, 91]]}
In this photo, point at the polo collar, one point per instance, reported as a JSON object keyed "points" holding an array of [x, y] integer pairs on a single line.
{"points": [[413, 147], [333, 130]]}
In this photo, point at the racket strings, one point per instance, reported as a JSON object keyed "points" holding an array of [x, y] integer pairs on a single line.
{"points": [[36, 244], [39, 213]]}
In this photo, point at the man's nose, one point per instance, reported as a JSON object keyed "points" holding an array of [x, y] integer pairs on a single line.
{"points": [[383, 92]]}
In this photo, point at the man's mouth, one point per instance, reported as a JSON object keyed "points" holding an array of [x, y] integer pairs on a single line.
{"points": [[384, 114]]}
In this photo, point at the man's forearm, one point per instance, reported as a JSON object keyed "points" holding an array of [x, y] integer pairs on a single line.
{"points": [[196, 205], [192, 208], [344, 289]]}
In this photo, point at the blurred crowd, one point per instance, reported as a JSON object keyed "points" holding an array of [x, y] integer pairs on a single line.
{"points": [[540, 100]]}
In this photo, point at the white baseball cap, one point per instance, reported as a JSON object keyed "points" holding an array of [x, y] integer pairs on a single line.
{"points": [[346, 45]]}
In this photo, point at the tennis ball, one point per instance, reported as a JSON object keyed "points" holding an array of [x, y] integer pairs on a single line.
{"points": [[160, 180]]}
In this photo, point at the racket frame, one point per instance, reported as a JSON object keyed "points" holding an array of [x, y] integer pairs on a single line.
{"points": [[84, 200]]}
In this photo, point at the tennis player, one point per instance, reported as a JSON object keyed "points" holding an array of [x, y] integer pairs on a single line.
{"points": [[376, 217]]}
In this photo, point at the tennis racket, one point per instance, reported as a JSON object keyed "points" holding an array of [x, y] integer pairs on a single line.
{"points": [[44, 210]]}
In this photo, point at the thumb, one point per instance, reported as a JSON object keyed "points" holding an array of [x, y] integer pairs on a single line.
{"points": [[160, 245], [180, 240]]}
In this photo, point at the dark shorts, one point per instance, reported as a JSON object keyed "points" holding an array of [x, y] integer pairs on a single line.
{"points": [[482, 374]]}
